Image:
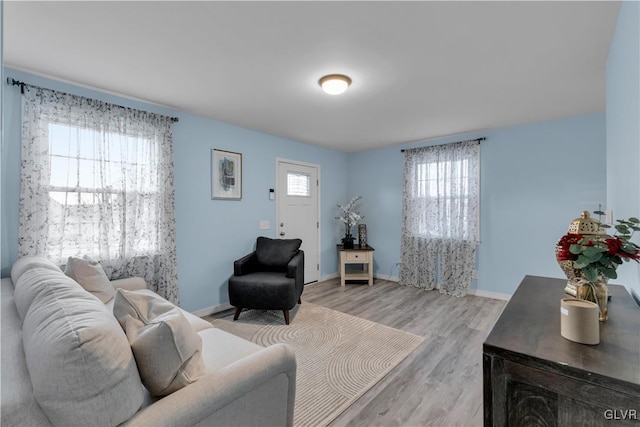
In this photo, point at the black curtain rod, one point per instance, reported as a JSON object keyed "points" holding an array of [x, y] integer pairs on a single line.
{"points": [[466, 140], [13, 82]]}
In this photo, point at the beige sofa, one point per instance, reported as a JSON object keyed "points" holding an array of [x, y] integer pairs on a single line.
{"points": [[67, 361]]}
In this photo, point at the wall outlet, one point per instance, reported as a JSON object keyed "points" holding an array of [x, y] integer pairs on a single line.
{"points": [[608, 216], [265, 225], [474, 274]]}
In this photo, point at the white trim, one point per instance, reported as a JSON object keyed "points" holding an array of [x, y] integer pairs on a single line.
{"points": [[89, 87], [386, 277], [213, 309], [329, 277], [489, 294], [309, 165]]}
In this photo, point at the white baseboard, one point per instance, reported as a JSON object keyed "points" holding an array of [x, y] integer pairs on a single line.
{"points": [[387, 277], [213, 309], [226, 306], [476, 292], [375, 276], [489, 294], [328, 277]]}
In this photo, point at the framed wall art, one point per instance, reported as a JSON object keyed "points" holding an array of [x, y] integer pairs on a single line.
{"points": [[226, 175]]}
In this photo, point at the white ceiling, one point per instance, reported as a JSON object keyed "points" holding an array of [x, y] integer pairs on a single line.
{"points": [[419, 69]]}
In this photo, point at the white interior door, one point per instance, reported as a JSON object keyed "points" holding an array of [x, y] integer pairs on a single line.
{"points": [[297, 211]]}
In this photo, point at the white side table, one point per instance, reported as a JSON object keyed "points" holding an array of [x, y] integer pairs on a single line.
{"points": [[357, 255]]}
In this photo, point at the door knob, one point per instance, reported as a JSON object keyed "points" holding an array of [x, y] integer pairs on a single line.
{"points": [[282, 233], [282, 224]]}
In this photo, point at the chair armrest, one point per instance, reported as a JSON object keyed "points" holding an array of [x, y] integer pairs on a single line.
{"points": [[264, 381], [295, 269], [245, 265], [130, 283]]}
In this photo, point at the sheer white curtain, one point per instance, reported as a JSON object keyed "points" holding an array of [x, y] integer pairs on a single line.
{"points": [[97, 180], [440, 216]]}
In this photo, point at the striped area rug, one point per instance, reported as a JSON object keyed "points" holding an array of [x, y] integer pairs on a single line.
{"points": [[339, 357]]}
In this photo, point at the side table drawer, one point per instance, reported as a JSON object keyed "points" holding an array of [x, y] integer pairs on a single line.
{"points": [[356, 257]]}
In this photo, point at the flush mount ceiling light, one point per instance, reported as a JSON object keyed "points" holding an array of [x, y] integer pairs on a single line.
{"points": [[334, 84]]}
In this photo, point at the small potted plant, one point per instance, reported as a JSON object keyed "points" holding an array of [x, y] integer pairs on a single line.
{"points": [[592, 259], [349, 217]]}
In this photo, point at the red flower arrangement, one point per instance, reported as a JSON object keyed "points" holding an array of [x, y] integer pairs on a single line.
{"points": [[565, 242], [600, 256]]}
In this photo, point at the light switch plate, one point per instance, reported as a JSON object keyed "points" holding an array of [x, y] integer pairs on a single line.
{"points": [[608, 216], [265, 225]]}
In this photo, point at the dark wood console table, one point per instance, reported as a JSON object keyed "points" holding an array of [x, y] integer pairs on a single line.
{"points": [[534, 376]]}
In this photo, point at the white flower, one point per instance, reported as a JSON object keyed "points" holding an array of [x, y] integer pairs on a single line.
{"points": [[349, 215]]}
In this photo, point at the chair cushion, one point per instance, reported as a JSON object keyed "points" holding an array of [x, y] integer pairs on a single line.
{"points": [[90, 275], [168, 352], [264, 290], [276, 253], [79, 360]]}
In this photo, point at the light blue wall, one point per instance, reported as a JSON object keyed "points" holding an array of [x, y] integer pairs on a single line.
{"points": [[534, 180], [623, 127], [210, 233], [2, 88]]}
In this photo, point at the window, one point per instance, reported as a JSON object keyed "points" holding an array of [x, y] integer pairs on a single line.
{"points": [[298, 184], [446, 185], [441, 191], [440, 216], [97, 180], [88, 182]]}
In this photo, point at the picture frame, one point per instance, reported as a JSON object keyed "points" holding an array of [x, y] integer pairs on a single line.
{"points": [[226, 175]]}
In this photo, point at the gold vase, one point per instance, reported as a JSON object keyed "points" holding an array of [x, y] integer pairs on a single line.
{"points": [[594, 292], [587, 228]]}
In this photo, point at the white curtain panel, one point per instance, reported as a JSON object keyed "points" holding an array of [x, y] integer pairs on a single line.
{"points": [[97, 179], [440, 217]]}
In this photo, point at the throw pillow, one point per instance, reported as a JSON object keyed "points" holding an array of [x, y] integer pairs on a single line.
{"points": [[167, 351], [90, 275], [276, 253]]}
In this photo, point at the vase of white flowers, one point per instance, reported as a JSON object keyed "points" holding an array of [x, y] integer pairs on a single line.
{"points": [[349, 217]]}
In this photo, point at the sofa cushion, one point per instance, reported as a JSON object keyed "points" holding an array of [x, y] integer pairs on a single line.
{"points": [[19, 406], [80, 362], [90, 275], [36, 282], [276, 253], [28, 262], [168, 352]]}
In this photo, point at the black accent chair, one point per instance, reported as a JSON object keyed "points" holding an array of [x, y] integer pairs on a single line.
{"points": [[270, 278]]}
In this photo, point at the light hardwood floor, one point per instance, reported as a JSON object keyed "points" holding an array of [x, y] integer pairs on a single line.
{"points": [[440, 383]]}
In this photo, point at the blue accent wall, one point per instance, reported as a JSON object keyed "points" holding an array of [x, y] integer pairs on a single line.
{"points": [[535, 179], [211, 234], [2, 89], [623, 127]]}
